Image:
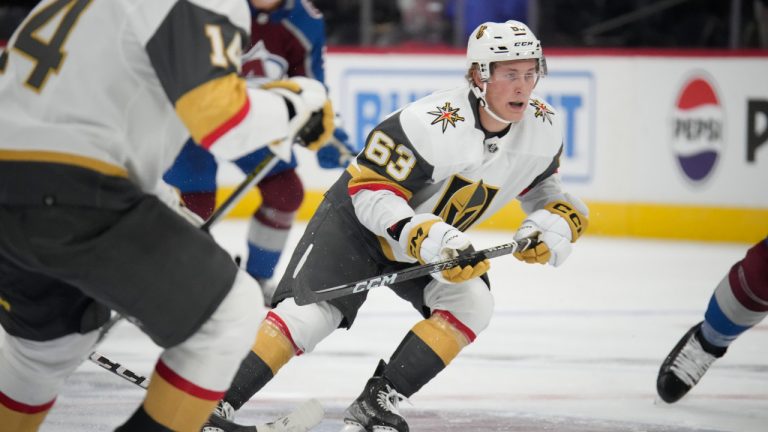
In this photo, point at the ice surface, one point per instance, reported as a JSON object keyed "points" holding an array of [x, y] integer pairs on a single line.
{"points": [[570, 349]]}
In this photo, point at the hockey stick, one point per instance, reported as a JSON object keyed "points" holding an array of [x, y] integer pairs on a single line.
{"points": [[119, 370], [306, 416], [409, 273], [255, 176], [262, 169]]}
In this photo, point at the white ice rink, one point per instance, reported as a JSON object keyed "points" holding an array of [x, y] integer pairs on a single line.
{"points": [[575, 348]]}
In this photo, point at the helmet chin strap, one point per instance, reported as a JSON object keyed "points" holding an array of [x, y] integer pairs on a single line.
{"points": [[480, 94]]}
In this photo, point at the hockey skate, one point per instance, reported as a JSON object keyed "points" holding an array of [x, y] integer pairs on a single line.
{"points": [[685, 366], [302, 419], [375, 410]]}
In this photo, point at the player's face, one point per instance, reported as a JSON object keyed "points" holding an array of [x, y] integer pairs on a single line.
{"points": [[510, 86]]}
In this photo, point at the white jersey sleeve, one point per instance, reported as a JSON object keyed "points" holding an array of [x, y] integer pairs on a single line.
{"points": [[118, 86]]}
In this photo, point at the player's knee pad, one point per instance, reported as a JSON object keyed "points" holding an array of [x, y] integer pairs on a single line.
{"points": [[32, 372], [309, 324], [470, 303], [211, 356], [283, 191]]}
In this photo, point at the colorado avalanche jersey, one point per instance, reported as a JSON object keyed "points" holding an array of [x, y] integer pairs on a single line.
{"points": [[117, 86], [287, 42], [433, 157]]}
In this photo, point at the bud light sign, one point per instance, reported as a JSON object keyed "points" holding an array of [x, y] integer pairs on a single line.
{"points": [[697, 129]]}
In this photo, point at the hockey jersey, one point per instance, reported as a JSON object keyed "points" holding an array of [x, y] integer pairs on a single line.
{"points": [[434, 157], [287, 42], [118, 86]]}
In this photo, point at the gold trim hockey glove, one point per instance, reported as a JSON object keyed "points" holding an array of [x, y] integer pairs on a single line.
{"points": [[556, 226], [312, 122], [428, 239]]}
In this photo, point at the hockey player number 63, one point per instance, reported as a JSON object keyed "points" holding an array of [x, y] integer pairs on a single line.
{"points": [[379, 151]]}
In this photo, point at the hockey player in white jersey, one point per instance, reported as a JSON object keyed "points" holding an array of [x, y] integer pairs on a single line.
{"points": [[428, 173], [96, 99]]}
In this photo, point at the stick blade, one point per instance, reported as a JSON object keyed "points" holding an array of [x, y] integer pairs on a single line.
{"points": [[308, 415]]}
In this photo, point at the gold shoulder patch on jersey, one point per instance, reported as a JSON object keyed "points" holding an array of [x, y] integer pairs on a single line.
{"points": [[542, 110], [480, 31], [447, 115]]}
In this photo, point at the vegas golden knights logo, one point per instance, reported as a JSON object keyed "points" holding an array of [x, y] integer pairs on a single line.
{"points": [[464, 202], [480, 31]]}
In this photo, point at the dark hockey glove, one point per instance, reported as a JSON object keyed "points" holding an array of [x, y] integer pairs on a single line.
{"points": [[338, 152]]}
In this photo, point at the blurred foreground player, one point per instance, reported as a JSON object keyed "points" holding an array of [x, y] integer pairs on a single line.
{"points": [[92, 115], [287, 40], [428, 173]]}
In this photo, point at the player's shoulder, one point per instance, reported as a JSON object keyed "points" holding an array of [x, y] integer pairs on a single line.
{"points": [[442, 113], [542, 114], [441, 122], [543, 126], [153, 19], [301, 10], [236, 10], [308, 6]]}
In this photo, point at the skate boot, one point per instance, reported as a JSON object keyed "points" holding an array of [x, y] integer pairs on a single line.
{"points": [[375, 410], [223, 411], [685, 365]]}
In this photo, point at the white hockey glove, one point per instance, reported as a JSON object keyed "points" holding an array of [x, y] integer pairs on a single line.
{"points": [[312, 121], [428, 239], [555, 226], [170, 197]]}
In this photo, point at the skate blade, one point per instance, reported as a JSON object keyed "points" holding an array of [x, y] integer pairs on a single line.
{"points": [[302, 419], [352, 427]]}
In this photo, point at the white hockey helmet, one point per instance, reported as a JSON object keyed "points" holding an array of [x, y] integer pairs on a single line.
{"points": [[493, 42]]}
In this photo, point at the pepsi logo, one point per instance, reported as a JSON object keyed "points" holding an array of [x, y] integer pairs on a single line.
{"points": [[697, 129]]}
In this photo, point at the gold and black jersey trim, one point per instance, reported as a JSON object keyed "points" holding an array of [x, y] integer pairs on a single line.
{"points": [[551, 169], [63, 158], [364, 178]]}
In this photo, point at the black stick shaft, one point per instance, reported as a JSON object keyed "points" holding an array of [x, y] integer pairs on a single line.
{"points": [[325, 294], [253, 177]]}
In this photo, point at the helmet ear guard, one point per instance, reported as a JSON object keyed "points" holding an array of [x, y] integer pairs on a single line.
{"points": [[493, 42]]}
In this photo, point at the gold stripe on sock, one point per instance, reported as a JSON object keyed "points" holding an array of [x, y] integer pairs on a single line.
{"points": [[440, 335], [273, 346]]}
